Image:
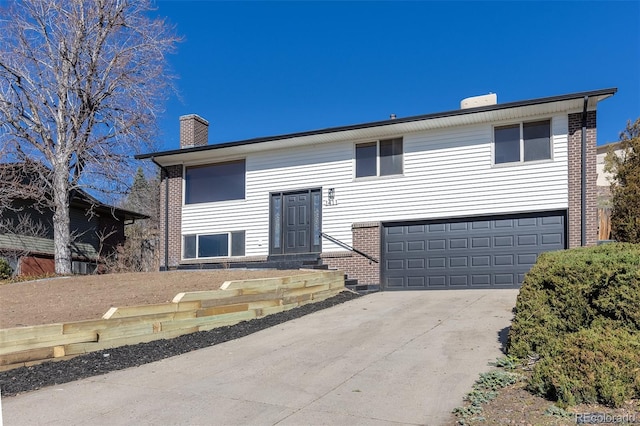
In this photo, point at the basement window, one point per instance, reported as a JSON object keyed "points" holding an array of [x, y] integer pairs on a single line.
{"points": [[522, 142], [381, 158], [213, 245]]}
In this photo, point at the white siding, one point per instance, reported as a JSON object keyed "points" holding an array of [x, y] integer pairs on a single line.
{"points": [[447, 173]]}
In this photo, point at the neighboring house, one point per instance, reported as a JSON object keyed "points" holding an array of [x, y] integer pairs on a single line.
{"points": [[459, 199], [604, 189], [96, 228], [604, 178]]}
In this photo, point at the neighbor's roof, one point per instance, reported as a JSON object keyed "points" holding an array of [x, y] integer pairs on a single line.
{"points": [[603, 149], [83, 199], [28, 173], [573, 102]]}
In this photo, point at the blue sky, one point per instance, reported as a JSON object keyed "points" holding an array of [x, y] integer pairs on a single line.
{"points": [[266, 68]]}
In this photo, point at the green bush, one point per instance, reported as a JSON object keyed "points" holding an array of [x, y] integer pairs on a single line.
{"points": [[598, 365], [5, 270], [579, 311]]}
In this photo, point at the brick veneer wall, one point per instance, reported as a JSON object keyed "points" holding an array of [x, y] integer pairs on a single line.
{"points": [[194, 131], [366, 238], [575, 180], [175, 215]]}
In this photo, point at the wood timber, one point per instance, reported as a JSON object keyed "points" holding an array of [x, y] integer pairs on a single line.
{"points": [[189, 312]]}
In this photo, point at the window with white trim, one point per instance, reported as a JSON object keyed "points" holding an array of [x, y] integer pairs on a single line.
{"points": [[226, 244], [379, 158], [522, 142]]}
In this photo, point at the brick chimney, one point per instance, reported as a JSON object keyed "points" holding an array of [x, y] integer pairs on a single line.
{"points": [[194, 131]]}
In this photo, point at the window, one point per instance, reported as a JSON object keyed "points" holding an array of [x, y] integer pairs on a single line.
{"points": [[380, 158], [522, 142], [213, 245], [215, 182]]}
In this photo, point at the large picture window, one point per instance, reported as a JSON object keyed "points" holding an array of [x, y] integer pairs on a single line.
{"points": [[522, 142], [215, 182], [214, 245], [381, 158]]}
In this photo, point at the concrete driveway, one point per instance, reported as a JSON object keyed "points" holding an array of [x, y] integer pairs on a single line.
{"points": [[386, 358]]}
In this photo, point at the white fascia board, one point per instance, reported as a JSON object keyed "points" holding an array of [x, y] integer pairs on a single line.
{"points": [[381, 131]]}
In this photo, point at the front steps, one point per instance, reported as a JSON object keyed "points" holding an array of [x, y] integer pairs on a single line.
{"points": [[289, 261]]}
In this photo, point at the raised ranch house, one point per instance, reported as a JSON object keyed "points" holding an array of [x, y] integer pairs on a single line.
{"points": [[459, 199]]}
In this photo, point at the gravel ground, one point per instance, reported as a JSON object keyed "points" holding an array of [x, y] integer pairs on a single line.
{"points": [[25, 379]]}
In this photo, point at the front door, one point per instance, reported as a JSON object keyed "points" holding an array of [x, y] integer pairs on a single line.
{"points": [[295, 222]]}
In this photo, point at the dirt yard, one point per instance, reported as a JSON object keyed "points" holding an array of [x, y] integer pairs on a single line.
{"points": [[89, 297]]}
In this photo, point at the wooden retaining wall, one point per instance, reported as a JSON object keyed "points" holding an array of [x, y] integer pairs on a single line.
{"points": [[236, 301]]}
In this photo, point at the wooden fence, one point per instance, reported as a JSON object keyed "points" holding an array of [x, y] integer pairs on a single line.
{"points": [[234, 302], [604, 223]]}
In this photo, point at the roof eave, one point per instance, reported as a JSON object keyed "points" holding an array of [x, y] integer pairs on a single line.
{"points": [[170, 157]]}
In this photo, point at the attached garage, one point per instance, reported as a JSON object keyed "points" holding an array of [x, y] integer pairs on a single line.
{"points": [[478, 252]]}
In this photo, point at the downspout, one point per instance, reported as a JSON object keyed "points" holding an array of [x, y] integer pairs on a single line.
{"points": [[166, 213], [583, 178]]}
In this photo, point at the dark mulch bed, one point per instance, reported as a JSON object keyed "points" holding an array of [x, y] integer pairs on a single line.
{"points": [[25, 379]]}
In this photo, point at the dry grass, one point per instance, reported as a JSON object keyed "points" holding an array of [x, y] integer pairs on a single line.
{"points": [[89, 297]]}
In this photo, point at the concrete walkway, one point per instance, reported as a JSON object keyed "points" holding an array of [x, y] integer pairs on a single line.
{"points": [[384, 359]]}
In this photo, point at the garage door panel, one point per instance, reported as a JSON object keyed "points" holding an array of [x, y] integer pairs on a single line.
{"points": [[415, 263], [505, 279], [437, 245], [395, 282], [395, 247], [458, 262], [415, 245], [480, 280], [504, 223], [472, 253], [527, 259], [415, 229], [397, 264], [437, 262], [552, 220], [458, 281], [418, 281], [551, 239], [503, 260], [503, 241], [478, 261], [480, 242], [527, 240], [462, 226]]}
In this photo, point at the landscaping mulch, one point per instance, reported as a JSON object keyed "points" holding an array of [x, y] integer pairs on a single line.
{"points": [[25, 379]]}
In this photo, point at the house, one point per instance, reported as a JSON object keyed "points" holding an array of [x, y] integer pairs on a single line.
{"points": [[26, 234], [459, 199], [604, 177], [603, 185]]}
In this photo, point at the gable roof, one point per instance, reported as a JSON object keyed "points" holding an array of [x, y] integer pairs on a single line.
{"points": [[82, 199], [511, 110]]}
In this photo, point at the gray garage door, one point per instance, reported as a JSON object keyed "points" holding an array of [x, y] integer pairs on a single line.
{"points": [[489, 252]]}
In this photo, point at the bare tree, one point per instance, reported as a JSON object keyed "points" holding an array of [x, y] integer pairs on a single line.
{"points": [[80, 86]]}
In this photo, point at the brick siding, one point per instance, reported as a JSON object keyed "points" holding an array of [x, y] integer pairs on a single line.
{"points": [[175, 216], [366, 238], [575, 180]]}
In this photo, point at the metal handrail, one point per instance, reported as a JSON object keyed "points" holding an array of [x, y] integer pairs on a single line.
{"points": [[348, 247]]}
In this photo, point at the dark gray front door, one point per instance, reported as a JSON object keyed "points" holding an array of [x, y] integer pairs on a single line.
{"points": [[489, 252], [295, 222]]}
